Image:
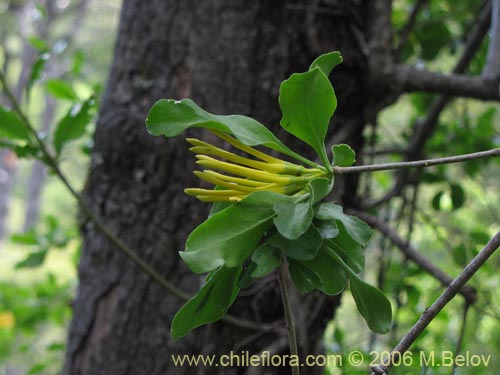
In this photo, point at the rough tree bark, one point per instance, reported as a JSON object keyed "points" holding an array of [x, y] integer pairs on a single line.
{"points": [[230, 57]]}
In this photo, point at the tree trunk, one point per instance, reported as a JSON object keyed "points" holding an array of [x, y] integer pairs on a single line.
{"points": [[230, 57]]}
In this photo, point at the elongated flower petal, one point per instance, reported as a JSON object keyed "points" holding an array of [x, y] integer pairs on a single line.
{"points": [[246, 175]]}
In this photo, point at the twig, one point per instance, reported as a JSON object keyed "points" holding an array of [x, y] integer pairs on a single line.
{"points": [[290, 324], [431, 312], [420, 163], [119, 244], [411, 253]]}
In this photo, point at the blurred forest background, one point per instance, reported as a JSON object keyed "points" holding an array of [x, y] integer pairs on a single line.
{"points": [[56, 56]]}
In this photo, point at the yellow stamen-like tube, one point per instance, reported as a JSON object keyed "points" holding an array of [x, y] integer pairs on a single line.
{"points": [[215, 193], [230, 185], [248, 172], [268, 167], [236, 180], [247, 149]]}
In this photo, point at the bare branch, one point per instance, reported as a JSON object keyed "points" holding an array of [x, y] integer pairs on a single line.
{"points": [[411, 253], [420, 163], [413, 79], [431, 312], [491, 70]]}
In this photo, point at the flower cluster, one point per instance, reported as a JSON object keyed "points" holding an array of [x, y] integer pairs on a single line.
{"points": [[245, 175]]}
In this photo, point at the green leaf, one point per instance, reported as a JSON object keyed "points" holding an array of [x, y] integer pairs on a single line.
{"points": [[372, 304], [11, 126], [231, 235], [292, 219], [37, 69], [209, 304], [327, 229], [356, 228], [436, 201], [304, 247], [34, 259], [246, 278], [320, 188], [73, 125], [29, 238], [170, 117], [343, 155], [457, 196], [350, 251], [61, 90], [266, 258], [327, 62], [307, 102], [38, 43], [303, 277], [332, 275]]}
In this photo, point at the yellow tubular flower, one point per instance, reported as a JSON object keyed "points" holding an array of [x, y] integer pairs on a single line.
{"points": [[246, 175]]}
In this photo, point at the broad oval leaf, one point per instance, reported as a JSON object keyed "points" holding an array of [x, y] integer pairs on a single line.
{"points": [[170, 117], [303, 277], [332, 275], [343, 155], [355, 227], [372, 304], [210, 303], [307, 102], [303, 248], [229, 236], [292, 219]]}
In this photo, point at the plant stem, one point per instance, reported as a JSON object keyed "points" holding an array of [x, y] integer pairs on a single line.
{"points": [[290, 324], [420, 163]]}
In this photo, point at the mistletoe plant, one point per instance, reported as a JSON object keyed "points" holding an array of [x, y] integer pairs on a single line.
{"points": [[268, 212]]}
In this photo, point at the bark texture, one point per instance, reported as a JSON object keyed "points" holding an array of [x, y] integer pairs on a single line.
{"points": [[230, 57]]}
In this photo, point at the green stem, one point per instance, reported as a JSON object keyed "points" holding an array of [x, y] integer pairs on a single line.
{"points": [[290, 324]]}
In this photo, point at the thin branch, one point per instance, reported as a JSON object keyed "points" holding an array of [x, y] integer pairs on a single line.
{"points": [[431, 312], [419, 163], [405, 31], [119, 244], [411, 253], [412, 79], [290, 324], [491, 70]]}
